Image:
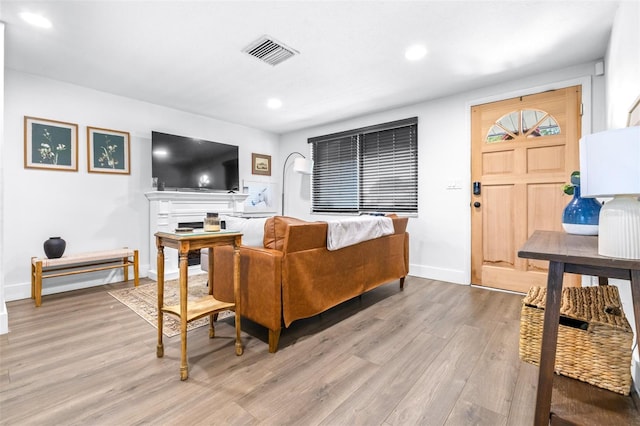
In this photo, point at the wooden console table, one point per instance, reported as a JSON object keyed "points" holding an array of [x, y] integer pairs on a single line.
{"points": [[575, 254], [188, 311]]}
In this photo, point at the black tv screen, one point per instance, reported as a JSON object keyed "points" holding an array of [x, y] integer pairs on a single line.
{"points": [[183, 163]]}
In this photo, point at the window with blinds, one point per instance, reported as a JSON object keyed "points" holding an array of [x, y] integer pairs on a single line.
{"points": [[372, 169]]}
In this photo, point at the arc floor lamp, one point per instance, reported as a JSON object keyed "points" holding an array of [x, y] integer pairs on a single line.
{"points": [[301, 165]]}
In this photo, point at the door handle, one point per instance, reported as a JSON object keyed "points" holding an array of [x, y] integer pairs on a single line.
{"points": [[477, 204]]}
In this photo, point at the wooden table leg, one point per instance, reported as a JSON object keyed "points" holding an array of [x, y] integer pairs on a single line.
{"points": [[160, 264], [236, 291], [184, 275], [38, 283], [212, 317], [549, 343], [136, 268], [125, 267]]}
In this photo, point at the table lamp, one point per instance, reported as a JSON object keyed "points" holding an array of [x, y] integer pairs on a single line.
{"points": [[610, 167]]}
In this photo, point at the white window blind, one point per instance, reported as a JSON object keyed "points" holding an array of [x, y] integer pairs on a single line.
{"points": [[372, 169]]}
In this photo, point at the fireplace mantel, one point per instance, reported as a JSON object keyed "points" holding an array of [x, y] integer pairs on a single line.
{"points": [[195, 196], [168, 208]]}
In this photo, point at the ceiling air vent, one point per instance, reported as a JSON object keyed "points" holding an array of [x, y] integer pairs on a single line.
{"points": [[269, 50]]}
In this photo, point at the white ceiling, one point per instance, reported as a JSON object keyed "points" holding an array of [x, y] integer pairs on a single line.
{"points": [[188, 54]]}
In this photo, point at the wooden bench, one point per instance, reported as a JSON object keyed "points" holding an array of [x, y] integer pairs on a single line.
{"points": [[81, 263]]}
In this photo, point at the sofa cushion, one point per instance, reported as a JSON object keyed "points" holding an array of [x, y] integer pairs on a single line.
{"points": [[252, 229], [275, 229]]}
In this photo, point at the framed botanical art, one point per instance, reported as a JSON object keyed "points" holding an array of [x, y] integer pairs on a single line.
{"points": [[50, 144], [108, 151], [261, 164]]}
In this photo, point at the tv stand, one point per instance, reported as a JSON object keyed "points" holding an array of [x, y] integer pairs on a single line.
{"points": [[168, 208]]}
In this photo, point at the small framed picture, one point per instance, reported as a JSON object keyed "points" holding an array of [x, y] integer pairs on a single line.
{"points": [[261, 164], [108, 151], [50, 144]]}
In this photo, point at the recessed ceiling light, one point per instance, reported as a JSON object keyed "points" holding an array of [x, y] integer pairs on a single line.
{"points": [[36, 20], [274, 103], [415, 52]]}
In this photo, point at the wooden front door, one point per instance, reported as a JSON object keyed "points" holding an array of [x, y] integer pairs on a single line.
{"points": [[523, 151]]}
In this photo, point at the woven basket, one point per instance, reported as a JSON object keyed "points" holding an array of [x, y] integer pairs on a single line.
{"points": [[594, 337]]}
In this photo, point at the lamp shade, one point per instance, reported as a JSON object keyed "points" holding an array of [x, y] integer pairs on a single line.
{"points": [[610, 163], [303, 165], [610, 167], [300, 165]]}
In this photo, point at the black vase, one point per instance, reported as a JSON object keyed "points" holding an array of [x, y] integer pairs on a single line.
{"points": [[54, 247]]}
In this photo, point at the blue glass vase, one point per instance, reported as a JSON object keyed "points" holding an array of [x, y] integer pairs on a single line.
{"points": [[581, 215]]}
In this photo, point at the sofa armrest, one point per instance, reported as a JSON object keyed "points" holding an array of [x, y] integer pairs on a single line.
{"points": [[400, 224], [305, 237], [260, 282]]}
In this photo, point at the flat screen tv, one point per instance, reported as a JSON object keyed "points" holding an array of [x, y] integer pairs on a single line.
{"points": [[187, 164]]}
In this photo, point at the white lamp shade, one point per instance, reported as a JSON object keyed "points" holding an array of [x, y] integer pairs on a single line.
{"points": [[610, 163], [610, 167], [303, 165]]}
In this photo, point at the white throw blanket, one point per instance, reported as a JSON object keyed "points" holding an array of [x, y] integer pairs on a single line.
{"points": [[346, 232]]}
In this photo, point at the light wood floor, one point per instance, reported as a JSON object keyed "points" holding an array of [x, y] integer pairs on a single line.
{"points": [[433, 354]]}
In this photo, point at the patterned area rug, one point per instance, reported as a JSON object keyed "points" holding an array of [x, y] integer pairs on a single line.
{"points": [[143, 300]]}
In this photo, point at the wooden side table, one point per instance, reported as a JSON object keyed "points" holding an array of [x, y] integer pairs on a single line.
{"points": [[575, 254], [188, 311]]}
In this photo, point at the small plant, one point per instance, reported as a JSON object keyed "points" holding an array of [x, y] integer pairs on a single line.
{"points": [[569, 188], [49, 153], [107, 158]]}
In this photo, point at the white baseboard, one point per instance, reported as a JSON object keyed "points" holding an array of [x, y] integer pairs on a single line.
{"points": [[449, 275], [174, 274], [4, 319], [21, 291]]}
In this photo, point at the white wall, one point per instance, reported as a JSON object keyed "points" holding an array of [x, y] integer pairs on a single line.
{"points": [[623, 64], [90, 211], [441, 233], [623, 88], [4, 319]]}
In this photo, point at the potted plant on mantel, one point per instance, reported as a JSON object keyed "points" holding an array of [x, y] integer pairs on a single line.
{"points": [[581, 215]]}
